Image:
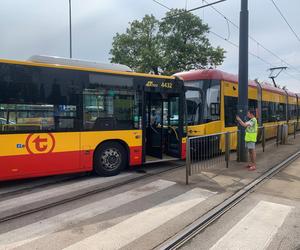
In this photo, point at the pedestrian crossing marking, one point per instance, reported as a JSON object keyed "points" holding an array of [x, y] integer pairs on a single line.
{"points": [[136, 226], [55, 192], [44, 227], [257, 229]]}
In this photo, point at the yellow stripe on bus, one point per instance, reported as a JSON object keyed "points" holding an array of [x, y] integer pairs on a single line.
{"points": [[40, 143]]}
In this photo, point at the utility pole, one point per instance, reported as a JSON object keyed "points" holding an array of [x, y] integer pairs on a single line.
{"points": [[70, 28], [243, 78]]}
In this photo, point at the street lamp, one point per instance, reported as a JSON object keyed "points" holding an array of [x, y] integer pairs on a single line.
{"points": [[70, 28]]}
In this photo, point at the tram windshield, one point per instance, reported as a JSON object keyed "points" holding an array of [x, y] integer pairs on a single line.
{"points": [[203, 101]]}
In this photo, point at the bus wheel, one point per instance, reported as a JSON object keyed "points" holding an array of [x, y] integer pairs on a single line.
{"points": [[110, 158]]}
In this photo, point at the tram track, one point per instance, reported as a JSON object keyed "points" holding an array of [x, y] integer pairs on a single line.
{"points": [[88, 193], [50, 183], [215, 213]]}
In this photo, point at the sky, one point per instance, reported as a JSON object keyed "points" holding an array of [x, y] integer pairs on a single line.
{"points": [[30, 27]]}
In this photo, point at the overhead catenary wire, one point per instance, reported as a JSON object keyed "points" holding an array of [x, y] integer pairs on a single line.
{"points": [[285, 20], [159, 3], [197, 8], [237, 46], [254, 40], [186, 10], [250, 53]]}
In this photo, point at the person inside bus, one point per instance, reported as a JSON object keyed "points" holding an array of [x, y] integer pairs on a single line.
{"points": [[250, 137], [155, 118]]}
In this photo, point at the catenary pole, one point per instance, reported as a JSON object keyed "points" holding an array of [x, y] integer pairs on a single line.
{"points": [[243, 78], [70, 27]]}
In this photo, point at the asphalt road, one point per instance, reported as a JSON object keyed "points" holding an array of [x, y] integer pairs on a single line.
{"points": [[143, 214], [269, 218]]}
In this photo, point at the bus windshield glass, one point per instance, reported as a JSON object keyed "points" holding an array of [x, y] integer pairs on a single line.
{"points": [[203, 101]]}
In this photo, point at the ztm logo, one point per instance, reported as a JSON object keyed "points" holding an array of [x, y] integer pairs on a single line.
{"points": [[40, 143]]}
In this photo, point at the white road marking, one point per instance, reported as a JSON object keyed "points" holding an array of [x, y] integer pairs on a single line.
{"points": [[55, 191], [257, 229], [133, 228], [41, 228], [30, 184]]}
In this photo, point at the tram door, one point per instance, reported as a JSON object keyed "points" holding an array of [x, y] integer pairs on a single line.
{"points": [[162, 126]]}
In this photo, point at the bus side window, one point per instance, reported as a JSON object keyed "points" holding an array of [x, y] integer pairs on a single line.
{"points": [[118, 109], [27, 117]]}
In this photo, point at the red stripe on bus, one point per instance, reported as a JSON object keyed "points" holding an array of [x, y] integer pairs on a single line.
{"points": [[135, 156], [32, 165]]}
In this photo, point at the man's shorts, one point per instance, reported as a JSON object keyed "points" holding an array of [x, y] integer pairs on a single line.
{"points": [[250, 145]]}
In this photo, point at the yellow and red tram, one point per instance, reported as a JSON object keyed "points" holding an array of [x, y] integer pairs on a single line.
{"points": [[212, 98]]}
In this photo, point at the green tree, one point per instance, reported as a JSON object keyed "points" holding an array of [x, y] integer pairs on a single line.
{"points": [[176, 43], [185, 45], [138, 48]]}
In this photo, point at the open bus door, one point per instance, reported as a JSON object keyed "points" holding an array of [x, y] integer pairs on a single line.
{"points": [[154, 125], [164, 126]]}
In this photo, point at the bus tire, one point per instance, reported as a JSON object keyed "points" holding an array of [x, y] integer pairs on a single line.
{"points": [[110, 159]]}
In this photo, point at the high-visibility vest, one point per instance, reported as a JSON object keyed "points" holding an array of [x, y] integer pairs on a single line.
{"points": [[251, 131]]}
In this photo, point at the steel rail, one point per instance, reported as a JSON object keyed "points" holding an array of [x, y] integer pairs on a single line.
{"points": [[207, 219], [43, 185], [85, 194]]}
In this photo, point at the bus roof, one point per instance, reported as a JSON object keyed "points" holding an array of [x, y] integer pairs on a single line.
{"points": [[63, 65], [78, 63]]}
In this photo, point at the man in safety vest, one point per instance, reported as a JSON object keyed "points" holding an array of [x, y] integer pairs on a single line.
{"points": [[250, 137]]}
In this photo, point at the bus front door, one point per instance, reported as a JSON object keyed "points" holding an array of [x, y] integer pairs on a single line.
{"points": [[171, 123], [154, 126], [163, 126]]}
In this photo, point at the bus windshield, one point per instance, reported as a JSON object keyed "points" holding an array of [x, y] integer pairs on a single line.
{"points": [[203, 101]]}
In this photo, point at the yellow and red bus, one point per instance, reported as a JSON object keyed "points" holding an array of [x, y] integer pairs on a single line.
{"points": [[61, 116], [212, 99]]}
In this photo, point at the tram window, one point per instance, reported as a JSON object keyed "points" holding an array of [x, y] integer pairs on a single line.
{"points": [[273, 112], [193, 103], [265, 111], [212, 97], [295, 111], [209, 109], [292, 111], [252, 105], [282, 111], [230, 110], [111, 109]]}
